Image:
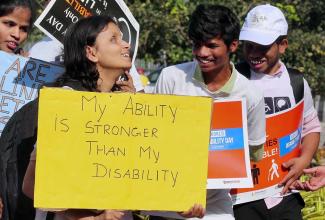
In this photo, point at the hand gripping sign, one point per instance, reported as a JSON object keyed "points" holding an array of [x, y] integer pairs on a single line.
{"points": [[59, 14], [283, 132]]}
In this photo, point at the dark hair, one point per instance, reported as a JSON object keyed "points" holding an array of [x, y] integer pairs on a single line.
{"points": [[8, 6], [209, 21], [281, 38], [77, 66]]}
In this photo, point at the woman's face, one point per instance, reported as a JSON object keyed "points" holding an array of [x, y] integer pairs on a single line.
{"points": [[14, 28], [110, 51]]}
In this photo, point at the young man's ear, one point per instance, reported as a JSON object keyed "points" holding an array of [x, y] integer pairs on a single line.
{"points": [[283, 45], [233, 46], [91, 54]]}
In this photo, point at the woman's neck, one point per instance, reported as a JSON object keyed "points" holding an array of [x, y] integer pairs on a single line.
{"points": [[107, 79]]}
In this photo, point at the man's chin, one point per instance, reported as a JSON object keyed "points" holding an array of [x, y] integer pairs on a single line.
{"points": [[257, 70], [8, 50], [205, 70]]}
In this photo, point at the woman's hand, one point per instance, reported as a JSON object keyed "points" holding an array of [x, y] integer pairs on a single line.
{"points": [[1, 207], [126, 86], [110, 215], [83, 214], [196, 211]]}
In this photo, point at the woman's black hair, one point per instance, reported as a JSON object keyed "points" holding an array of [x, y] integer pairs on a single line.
{"points": [[77, 66], [209, 21], [8, 6]]}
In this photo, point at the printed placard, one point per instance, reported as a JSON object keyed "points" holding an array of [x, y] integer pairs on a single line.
{"points": [[282, 144], [121, 150], [59, 14], [20, 79], [228, 151]]}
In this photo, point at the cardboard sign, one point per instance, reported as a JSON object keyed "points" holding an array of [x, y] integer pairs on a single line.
{"points": [[20, 79], [228, 152], [121, 150], [59, 14], [282, 144]]}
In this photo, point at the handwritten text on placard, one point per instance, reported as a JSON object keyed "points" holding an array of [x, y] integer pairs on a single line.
{"points": [[118, 146]]}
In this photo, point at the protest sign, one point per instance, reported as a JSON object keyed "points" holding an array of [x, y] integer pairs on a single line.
{"points": [[59, 14], [20, 79], [282, 144], [228, 151], [121, 150]]}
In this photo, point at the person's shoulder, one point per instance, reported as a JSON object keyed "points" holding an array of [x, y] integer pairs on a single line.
{"points": [[23, 122], [242, 79], [44, 42], [243, 83], [46, 49], [27, 109], [177, 70], [252, 93]]}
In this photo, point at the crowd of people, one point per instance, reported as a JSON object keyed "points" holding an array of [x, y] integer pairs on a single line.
{"points": [[95, 57]]}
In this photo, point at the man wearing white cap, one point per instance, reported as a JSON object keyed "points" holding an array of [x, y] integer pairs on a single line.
{"points": [[264, 36]]}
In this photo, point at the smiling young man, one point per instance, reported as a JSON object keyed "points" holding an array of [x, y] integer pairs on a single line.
{"points": [[264, 35], [214, 31]]}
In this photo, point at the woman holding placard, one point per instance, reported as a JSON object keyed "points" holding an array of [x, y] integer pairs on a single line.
{"points": [[95, 57]]}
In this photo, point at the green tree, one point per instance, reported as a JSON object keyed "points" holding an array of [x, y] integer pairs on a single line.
{"points": [[163, 32], [164, 28], [36, 34], [306, 40]]}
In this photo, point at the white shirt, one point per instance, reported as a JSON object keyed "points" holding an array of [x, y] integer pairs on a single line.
{"points": [[278, 92], [183, 79], [278, 96]]}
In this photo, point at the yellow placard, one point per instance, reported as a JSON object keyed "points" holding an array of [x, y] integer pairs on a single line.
{"points": [[121, 150]]}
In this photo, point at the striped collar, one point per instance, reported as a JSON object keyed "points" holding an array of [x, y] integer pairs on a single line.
{"points": [[227, 88]]}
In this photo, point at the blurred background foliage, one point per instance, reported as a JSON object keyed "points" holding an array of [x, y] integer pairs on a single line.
{"points": [[163, 32]]}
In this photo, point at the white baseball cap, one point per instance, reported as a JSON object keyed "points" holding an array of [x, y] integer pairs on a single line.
{"points": [[263, 25]]}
